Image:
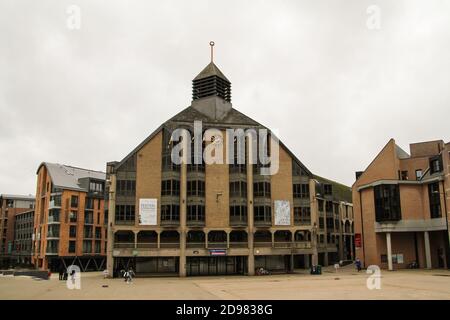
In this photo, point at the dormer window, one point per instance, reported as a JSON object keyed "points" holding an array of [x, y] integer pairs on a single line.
{"points": [[435, 164]]}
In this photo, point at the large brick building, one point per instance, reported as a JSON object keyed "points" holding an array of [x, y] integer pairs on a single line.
{"points": [[23, 238], [10, 206], [401, 206], [69, 221], [218, 218]]}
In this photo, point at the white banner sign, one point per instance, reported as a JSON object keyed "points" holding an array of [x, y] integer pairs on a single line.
{"points": [[282, 213], [148, 212]]}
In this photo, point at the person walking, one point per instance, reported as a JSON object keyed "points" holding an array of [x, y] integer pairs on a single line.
{"points": [[129, 276], [61, 273], [358, 264]]}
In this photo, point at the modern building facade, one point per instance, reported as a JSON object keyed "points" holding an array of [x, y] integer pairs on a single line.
{"points": [[23, 238], [401, 205], [10, 206], [69, 222], [207, 218]]}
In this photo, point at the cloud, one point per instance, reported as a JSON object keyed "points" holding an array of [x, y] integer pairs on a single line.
{"points": [[336, 90]]}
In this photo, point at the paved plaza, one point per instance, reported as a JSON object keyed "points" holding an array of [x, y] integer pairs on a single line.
{"points": [[345, 284]]}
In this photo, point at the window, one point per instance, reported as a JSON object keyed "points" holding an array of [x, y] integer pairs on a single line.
{"points": [[419, 174], [238, 189], [435, 200], [297, 170], [170, 188], [52, 246], [98, 233], [436, 164], [88, 217], [320, 205], [170, 212], [96, 187], [330, 223], [262, 214], [126, 187], [56, 200], [329, 207], [387, 203], [88, 232], [301, 190], [73, 216], [196, 188], [403, 175], [238, 214], [53, 215], [125, 213], [328, 189], [53, 231], [261, 189], [74, 201], [87, 246], [196, 213], [89, 204], [73, 231], [168, 165], [302, 215], [98, 246]]}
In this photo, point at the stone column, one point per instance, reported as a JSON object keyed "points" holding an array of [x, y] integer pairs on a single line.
{"points": [[110, 228], [158, 240], [426, 237], [389, 251], [135, 238], [183, 206], [250, 217]]}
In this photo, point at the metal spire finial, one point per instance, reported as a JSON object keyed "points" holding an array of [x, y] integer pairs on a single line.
{"points": [[211, 43]]}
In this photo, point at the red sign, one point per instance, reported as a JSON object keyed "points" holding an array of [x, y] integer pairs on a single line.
{"points": [[358, 240]]}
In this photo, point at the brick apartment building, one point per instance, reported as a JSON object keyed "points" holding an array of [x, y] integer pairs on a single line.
{"points": [[212, 218], [23, 238], [401, 205], [10, 206], [69, 222]]}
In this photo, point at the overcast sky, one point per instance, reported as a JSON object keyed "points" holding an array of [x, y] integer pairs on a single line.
{"points": [[336, 87]]}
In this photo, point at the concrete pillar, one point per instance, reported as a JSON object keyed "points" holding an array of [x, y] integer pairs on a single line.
{"points": [[273, 238], [250, 217], [158, 240], [183, 209], [110, 229], [389, 250], [325, 259], [228, 240], [426, 237], [135, 239], [206, 239]]}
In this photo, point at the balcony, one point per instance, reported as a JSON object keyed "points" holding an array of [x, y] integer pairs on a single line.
{"points": [[195, 223], [263, 223], [217, 245], [238, 221], [170, 223]]}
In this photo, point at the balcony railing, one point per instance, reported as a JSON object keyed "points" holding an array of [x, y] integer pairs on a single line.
{"points": [[217, 245], [169, 245], [170, 222], [241, 222], [238, 244], [199, 245], [263, 223], [195, 223], [259, 244]]}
